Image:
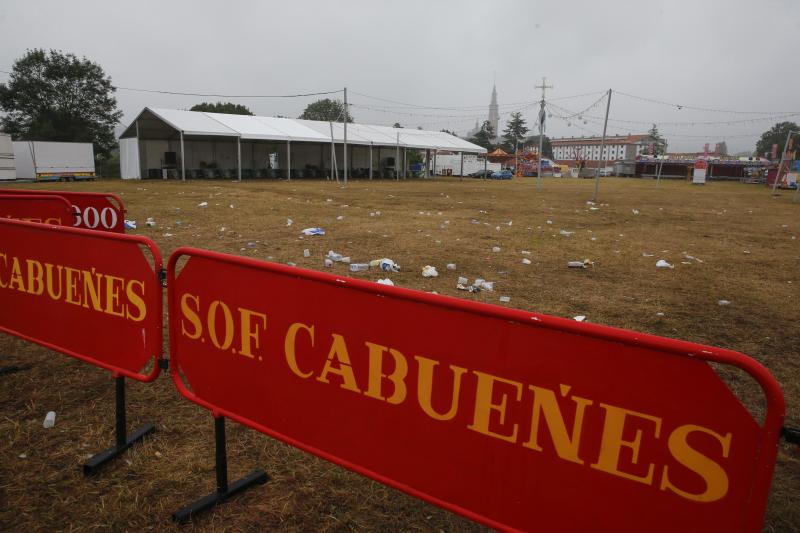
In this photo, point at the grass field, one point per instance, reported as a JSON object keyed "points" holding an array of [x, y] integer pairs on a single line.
{"points": [[727, 241]]}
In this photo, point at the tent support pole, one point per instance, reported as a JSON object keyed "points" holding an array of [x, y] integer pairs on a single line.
{"points": [[239, 158], [345, 135], [183, 160], [405, 162], [370, 162], [485, 165], [435, 153], [461, 172], [289, 160], [397, 159]]}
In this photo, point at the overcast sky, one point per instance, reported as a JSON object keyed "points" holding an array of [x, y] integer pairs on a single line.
{"points": [[730, 55]]}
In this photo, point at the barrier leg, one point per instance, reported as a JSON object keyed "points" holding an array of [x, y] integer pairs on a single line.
{"points": [[123, 441], [224, 491]]}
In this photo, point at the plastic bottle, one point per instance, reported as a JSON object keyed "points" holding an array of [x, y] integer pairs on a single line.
{"points": [[50, 420], [306, 253], [328, 262], [359, 267]]}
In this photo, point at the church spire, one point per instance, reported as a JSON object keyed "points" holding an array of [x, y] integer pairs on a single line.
{"points": [[494, 113]]}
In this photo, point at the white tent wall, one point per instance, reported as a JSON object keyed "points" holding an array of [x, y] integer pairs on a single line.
{"points": [[129, 159], [23, 160], [451, 164], [8, 170]]}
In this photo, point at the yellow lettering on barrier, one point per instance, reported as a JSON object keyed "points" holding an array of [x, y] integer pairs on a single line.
{"points": [[35, 282], [4, 284], [290, 345], [425, 388], [212, 324], [485, 406], [248, 334], [91, 289], [72, 276], [376, 375], [191, 315], [48, 269], [712, 473], [113, 286], [544, 401], [612, 443], [338, 355], [136, 299]]}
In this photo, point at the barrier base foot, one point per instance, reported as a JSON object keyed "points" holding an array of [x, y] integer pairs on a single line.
{"points": [[93, 465], [258, 477]]}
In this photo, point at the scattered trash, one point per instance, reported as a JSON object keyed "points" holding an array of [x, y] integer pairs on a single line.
{"points": [[549, 221], [359, 267], [659, 314], [589, 202], [385, 264], [328, 262], [429, 272], [645, 254], [495, 249], [594, 209], [251, 244], [687, 256], [23, 456], [724, 302], [313, 231], [49, 420], [231, 206], [565, 233], [525, 252], [306, 253], [340, 217], [745, 251], [471, 288], [451, 266], [579, 318], [579, 264], [462, 281], [635, 211], [158, 454], [483, 284], [130, 224], [289, 221], [526, 261], [385, 281], [291, 264], [168, 235], [202, 204], [663, 264], [150, 222], [505, 299]]}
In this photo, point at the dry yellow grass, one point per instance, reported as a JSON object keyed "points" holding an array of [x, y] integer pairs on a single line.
{"points": [[744, 237]]}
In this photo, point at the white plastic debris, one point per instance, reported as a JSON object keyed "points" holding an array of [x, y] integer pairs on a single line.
{"points": [[340, 217], [659, 314], [291, 263], [663, 264], [579, 264], [328, 263], [462, 280], [231, 206], [429, 272], [202, 204], [313, 231], [289, 221], [526, 261], [635, 211], [724, 302], [549, 221], [386, 281], [645, 254], [150, 222], [306, 253], [565, 233], [483, 284], [579, 318], [451, 266], [168, 235], [505, 299], [495, 249], [130, 224], [525, 252], [49, 420], [359, 267]]}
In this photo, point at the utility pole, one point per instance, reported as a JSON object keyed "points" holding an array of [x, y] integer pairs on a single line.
{"points": [[345, 135], [543, 87], [602, 146]]}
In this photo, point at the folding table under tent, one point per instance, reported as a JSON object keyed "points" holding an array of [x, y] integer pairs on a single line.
{"points": [[174, 143]]}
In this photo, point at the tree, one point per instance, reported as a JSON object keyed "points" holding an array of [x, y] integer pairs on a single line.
{"points": [[775, 135], [327, 110], [515, 130], [547, 148], [397, 125], [53, 96], [484, 136], [222, 107], [659, 144]]}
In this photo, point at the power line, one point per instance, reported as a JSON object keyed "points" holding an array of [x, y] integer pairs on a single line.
{"points": [[178, 93], [697, 108]]}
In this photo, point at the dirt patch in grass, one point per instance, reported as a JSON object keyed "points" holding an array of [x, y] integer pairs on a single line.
{"points": [[743, 248]]}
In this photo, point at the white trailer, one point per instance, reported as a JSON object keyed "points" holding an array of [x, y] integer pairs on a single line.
{"points": [[54, 161], [450, 164], [7, 168]]}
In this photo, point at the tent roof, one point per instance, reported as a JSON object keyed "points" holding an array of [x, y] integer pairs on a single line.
{"points": [[199, 123]]}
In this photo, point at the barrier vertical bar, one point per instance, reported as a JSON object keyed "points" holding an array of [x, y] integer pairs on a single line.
{"points": [[224, 491]]}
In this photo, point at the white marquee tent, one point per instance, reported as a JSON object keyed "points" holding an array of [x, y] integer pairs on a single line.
{"points": [[161, 142]]}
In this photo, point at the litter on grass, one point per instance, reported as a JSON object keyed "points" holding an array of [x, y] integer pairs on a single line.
{"points": [[313, 231], [451, 266], [202, 204], [579, 318], [526, 261], [386, 281], [724, 302], [130, 224], [505, 299], [663, 264], [289, 221], [429, 272]]}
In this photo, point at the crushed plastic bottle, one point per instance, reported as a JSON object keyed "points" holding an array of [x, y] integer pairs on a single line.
{"points": [[526, 261], [359, 267], [306, 253], [49, 420]]}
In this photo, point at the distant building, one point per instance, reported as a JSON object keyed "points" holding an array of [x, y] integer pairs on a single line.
{"points": [[570, 150], [493, 118]]}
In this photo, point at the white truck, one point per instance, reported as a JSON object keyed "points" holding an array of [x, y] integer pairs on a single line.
{"points": [[7, 169], [54, 161]]}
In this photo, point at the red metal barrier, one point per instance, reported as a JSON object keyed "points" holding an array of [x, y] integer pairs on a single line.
{"points": [[94, 210], [46, 209], [518, 420], [88, 294]]}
